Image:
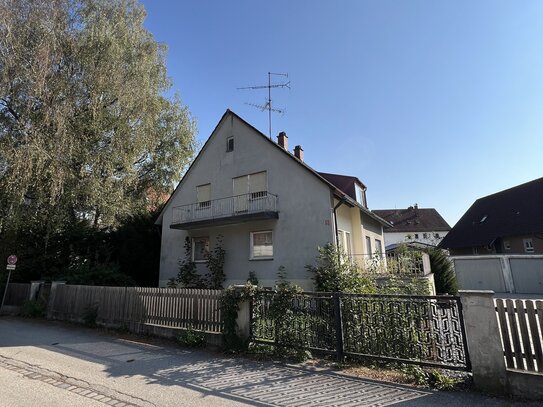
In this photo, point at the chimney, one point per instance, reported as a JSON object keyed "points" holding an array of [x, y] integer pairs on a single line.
{"points": [[282, 140], [299, 153]]}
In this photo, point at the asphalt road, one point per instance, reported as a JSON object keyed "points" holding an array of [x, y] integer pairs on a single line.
{"points": [[49, 364]]}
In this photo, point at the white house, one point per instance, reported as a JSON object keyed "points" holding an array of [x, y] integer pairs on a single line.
{"points": [[270, 207], [414, 224]]}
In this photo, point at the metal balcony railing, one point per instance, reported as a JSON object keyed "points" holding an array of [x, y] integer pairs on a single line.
{"points": [[239, 205], [408, 263]]}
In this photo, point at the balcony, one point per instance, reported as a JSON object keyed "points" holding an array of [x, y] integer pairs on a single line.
{"points": [[225, 211]]}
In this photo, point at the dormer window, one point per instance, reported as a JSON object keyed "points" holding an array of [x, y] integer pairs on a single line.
{"points": [[229, 144], [360, 195]]}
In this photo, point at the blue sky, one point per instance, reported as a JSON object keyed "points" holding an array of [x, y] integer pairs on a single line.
{"points": [[429, 102]]}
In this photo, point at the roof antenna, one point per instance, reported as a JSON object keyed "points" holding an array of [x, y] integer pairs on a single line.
{"points": [[268, 105]]}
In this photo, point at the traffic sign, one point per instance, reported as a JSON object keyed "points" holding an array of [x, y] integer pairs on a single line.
{"points": [[10, 267], [12, 259]]}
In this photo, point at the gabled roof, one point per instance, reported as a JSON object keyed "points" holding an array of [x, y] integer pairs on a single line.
{"points": [[336, 191], [413, 219], [345, 183], [513, 212]]}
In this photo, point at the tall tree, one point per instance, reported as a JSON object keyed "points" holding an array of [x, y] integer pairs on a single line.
{"points": [[86, 128]]}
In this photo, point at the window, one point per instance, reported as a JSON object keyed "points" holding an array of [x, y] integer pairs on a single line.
{"points": [[368, 245], [425, 235], [229, 144], [254, 184], [528, 245], [261, 245], [360, 195], [507, 245], [345, 242], [203, 194], [200, 248], [416, 235], [436, 235], [378, 247]]}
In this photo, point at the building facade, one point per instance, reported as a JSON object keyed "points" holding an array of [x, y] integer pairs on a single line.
{"points": [[264, 203]]}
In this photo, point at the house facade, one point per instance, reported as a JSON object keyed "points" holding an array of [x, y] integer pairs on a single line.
{"points": [[507, 222], [413, 224], [268, 207]]}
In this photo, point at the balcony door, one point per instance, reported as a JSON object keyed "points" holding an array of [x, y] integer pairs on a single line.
{"points": [[241, 197], [248, 189]]}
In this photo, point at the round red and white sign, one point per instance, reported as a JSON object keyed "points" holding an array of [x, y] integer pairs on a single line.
{"points": [[12, 259]]}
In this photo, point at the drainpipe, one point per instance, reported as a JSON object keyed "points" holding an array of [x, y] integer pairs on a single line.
{"points": [[341, 202]]}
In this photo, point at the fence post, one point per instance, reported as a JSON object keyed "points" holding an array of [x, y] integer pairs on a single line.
{"points": [[243, 319], [338, 325], [52, 295], [34, 289], [483, 338]]}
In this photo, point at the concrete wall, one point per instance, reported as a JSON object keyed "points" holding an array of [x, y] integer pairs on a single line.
{"points": [[487, 354], [522, 274], [304, 204]]}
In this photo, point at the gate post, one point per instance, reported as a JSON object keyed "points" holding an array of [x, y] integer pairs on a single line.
{"points": [[338, 322], [483, 338], [243, 319]]}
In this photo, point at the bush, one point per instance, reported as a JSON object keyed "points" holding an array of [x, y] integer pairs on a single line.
{"points": [[33, 309], [90, 314], [335, 272], [444, 276], [192, 338], [83, 272]]}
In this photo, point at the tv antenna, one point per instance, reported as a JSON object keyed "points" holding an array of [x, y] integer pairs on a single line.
{"points": [[268, 105]]}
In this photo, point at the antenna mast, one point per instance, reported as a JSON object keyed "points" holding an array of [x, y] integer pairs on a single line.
{"points": [[268, 105]]}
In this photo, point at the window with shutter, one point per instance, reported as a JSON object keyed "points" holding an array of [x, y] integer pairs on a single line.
{"points": [[203, 193]]}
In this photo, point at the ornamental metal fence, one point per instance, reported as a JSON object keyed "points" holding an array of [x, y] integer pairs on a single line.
{"points": [[423, 330]]}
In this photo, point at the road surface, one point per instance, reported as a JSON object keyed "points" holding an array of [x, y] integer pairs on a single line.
{"points": [[50, 364]]}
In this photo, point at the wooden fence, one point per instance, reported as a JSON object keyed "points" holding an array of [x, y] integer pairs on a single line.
{"points": [[17, 294], [166, 307], [521, 327]]}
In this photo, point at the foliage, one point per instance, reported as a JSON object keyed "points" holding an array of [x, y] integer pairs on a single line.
{"points": [[415, 373], [187, 276], [87, 133], [215, 265], [33, 309], [84, 273], [192, 338], [90, 314], [444, 276], [335, 272], [231, 299], [252, 278], [441, 381]]}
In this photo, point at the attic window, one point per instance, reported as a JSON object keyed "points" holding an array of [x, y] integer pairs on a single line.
{"points": [[483, 219], [229, 144]]}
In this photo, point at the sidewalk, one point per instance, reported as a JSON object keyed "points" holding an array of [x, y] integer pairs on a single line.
{"points": [[114, 368]]}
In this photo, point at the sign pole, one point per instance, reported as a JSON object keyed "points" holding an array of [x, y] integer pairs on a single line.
{"points": [[12, 260], [5, 291]]}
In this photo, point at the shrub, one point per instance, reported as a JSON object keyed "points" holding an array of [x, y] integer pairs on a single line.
{"points": [[192, 338], [444, 276], [33, 309], [90, 314]]}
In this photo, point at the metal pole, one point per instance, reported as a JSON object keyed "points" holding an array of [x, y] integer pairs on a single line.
{"points": [[5, 291], [269, 103]]}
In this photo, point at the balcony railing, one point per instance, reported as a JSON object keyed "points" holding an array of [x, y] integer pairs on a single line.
{"points": [[234, 206], [408, 263]]}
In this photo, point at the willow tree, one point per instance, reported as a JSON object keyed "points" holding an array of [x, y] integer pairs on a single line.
{"points": [[87, 131]]}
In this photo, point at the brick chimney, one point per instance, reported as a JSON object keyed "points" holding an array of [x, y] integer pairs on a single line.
{"points": [[299, 153], [282, 140]]}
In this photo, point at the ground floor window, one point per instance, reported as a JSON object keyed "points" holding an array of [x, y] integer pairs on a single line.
{"points": [[261, 245], [200, 248]]}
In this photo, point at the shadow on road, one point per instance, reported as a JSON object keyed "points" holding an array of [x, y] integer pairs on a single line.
{"points": [[246, 381]]}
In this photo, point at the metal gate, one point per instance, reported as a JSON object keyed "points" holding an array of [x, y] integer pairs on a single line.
{"points": [[424, 330]]}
